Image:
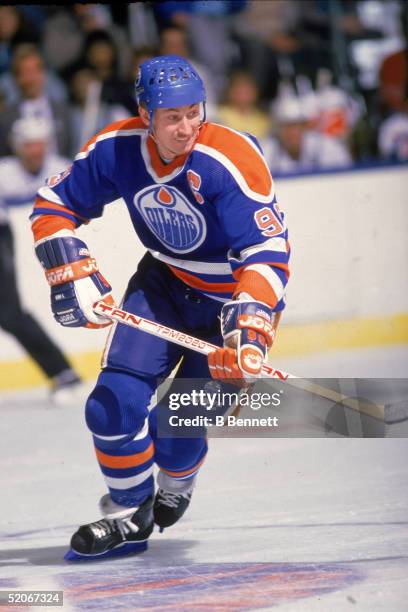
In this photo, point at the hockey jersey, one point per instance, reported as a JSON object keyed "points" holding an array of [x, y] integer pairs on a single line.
{"points": [[210, 215]]}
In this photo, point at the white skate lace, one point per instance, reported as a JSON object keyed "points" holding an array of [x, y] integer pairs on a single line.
{"points": [[167, 498], [107, 526]]}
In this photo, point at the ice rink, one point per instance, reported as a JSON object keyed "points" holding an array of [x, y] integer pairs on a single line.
{"points": [[274, 524]]}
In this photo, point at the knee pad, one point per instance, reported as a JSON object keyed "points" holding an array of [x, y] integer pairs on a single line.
{"points": [[118, 404]]}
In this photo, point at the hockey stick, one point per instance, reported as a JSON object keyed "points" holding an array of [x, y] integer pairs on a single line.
{"points": [[389, 413]]}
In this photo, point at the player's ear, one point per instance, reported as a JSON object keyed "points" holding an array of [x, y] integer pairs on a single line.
{"points": [[144, 115]]}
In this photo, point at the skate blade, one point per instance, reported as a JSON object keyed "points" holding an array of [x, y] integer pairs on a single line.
{"points": [[119, 551]]}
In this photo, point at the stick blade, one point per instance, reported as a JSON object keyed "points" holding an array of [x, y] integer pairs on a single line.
{"points": [[396, 413]]}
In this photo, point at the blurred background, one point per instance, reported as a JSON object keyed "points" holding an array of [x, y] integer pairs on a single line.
{"points": [[322, 84]]}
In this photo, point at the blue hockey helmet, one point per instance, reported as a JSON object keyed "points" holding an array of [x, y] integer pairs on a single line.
{"points": [[168, 81]]}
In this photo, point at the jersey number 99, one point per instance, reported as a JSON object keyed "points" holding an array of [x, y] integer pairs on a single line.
{"points": [[267, 222]]}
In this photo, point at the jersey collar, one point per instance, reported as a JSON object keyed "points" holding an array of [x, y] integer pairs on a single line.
{"points": [[157, 167]]}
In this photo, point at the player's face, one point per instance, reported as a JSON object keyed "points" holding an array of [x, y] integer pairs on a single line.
{"points": [[175, 129]]}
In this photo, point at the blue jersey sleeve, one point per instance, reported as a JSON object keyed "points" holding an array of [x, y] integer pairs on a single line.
{"points": [[85, 187], [258, 244]]}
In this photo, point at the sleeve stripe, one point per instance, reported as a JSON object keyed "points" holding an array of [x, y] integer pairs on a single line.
{"points": [[48, 194], [257, 287], [48, 225], [269, 257], [272, 244], [43, 206], [281, 265], [279, 245], [45, 211], [269, 275]]}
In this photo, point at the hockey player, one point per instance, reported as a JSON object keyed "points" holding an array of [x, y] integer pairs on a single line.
{"points": [[201, 199], [21, 175]]}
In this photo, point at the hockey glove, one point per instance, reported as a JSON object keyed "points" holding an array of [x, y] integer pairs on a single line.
{"points": [[76, 284], [248, 333]]}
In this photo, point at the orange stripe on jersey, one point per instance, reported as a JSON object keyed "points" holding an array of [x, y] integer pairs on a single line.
{"points": [[257, 286], [134, 123], [197, 283], [125, 461], [282, 266], [236, 148], [186, 472], [159, 166], [43, 203], [46, 225]]}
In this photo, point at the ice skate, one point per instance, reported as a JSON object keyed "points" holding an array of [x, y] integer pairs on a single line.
{"points": [[121, 531], [172, 499]]}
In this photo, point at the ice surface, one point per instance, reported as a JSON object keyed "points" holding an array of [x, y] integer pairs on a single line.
{"points": [[274, 524]]}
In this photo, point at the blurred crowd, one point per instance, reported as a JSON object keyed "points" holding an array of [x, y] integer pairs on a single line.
{"points": [[322, 84]]}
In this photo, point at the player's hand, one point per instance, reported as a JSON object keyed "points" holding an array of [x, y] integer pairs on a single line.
{"points": [[76, 283], [248, 333]]}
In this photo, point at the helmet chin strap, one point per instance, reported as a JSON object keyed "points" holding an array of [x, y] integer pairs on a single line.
{"points": [[150, 128], [204, 117]]}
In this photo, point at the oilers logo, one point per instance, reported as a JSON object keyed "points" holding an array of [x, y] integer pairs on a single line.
{"points": [[171, 217]]}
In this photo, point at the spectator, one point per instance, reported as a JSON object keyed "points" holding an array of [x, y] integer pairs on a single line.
{"points": [[294, 148], [336, 114], [33, 100], [393, 132], [394, 74], [143, 30], [275, 46], [241, 109], [209, 26], [139, 55], [101, 56], [23, 62], [89, 113], [394, 82], [393, 137], [73, 25], [343, 116], [21, 175], [13, 30]]}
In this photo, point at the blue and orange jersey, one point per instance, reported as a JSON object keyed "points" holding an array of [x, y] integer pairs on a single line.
{"points": [[211, 215]]}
